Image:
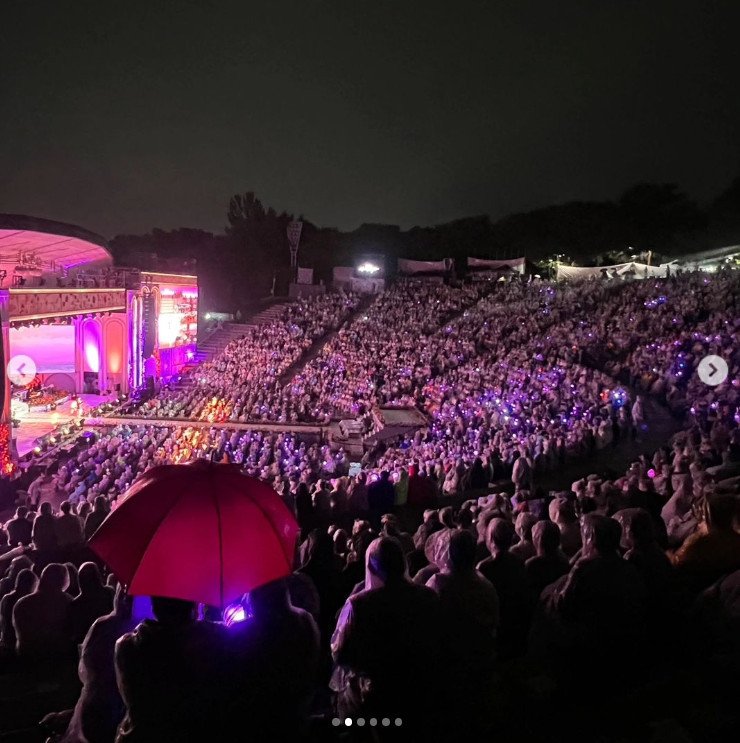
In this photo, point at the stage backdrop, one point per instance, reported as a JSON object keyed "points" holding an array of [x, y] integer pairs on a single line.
{"points": [[52, 347]]}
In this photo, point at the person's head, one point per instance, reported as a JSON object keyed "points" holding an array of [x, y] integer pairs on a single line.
{"points": [[319, 547], [561, 511], [359, 526], [462, 552], [483, 521], [500, 535], [45, 509], [54, 578], [65, 507], [21, 512], [600, 534], [101, 504], [431, 516], [384, 561], [89, 577], [637, 528], [19, 563], [465, 519], [173, 611], [341, 542], [269, 597], [523, 525], [447, 517], [25, 582], [546, 538], [721, 511]]}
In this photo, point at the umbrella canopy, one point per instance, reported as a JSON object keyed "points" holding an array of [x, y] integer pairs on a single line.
{"points": [[201, 532]]}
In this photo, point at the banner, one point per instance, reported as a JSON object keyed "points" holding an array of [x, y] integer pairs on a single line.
{"points": [[412, 267], [305, 275], [516, 264]]}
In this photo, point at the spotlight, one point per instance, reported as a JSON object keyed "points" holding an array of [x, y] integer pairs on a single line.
{"points": [[367, 268]]}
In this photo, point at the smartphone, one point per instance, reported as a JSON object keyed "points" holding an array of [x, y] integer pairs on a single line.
{"points": [[355, 468]]}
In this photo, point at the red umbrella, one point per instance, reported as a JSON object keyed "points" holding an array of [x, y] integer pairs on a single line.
{"points": [[202, 532]]}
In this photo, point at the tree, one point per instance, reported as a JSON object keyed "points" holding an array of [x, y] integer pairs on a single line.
{"points": [[724, 216], [656, 216], [259, 246]]}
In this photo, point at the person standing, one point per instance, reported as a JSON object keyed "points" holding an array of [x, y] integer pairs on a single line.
{"points": [[381, 497], [638, 417], [388, 642]]}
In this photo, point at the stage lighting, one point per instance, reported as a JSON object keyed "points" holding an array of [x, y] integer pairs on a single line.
{"points": [[368, 269]]}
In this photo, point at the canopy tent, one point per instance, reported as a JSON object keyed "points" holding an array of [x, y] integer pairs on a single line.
{"points": [[485, 264], [51, 246], [636, 270], [710, 260], [410, 267]]}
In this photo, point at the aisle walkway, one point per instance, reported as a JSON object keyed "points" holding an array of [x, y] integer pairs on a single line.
{"points": [[315, 350], [613, 462]]}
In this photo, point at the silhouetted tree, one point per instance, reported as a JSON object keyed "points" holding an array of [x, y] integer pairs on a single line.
{"points": [[724, 216], [656, 216]]}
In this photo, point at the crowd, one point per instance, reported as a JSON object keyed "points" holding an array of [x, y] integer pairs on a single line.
{"points": [[603, 579], [242, 382], [444, 584]]}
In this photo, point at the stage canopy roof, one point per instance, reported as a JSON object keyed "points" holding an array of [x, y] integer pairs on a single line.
{"points": [[55, 245]]}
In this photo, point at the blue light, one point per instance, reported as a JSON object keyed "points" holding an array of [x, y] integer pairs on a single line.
{"points": [[235, 614]]}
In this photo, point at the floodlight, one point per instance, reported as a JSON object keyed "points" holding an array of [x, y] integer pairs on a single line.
{"points": [[368, 268]]}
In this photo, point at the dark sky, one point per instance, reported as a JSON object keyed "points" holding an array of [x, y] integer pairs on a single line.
{"points": [[124, 115]]}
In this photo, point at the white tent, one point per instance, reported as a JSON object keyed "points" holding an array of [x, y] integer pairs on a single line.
{"points": [[636, 270]]}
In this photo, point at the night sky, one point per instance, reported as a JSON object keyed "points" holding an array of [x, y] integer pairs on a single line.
{"points": [[123, 115]]}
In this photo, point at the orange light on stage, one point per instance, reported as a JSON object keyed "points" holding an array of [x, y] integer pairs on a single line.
{"points": [[114, 348]]}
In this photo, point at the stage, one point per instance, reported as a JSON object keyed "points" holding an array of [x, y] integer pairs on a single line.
{"points": [[38, 423]]}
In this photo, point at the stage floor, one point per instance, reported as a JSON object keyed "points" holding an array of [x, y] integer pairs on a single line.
{"points": [[38, 423]]}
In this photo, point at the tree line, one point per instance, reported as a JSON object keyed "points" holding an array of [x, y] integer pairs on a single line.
{"points": [[242, 264]]}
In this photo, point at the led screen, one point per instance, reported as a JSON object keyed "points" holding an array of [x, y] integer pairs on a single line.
{"points": [[52, 347]]}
